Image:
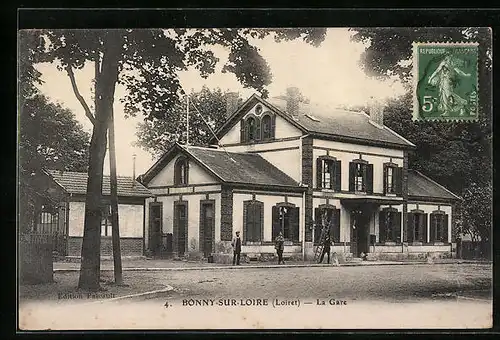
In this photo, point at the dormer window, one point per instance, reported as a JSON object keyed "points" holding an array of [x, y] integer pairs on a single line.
{"points": [[255, 129], [181, 171]]}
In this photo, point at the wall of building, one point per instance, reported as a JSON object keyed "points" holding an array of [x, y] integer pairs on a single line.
{"points": [[347, 152], [283, 130], [130, 219], [193, 201], [197, 175], [269, 201]]}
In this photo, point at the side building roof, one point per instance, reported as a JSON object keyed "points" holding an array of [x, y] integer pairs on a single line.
{"points": [[228, 167], [422, 187], [76, 183]]}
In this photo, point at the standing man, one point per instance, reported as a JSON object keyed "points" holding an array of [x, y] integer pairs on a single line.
{"points": [[326, 248], [236, 244], [280, 246]]}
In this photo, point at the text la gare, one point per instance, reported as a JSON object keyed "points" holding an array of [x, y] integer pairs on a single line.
{"points": [[330, 302]]}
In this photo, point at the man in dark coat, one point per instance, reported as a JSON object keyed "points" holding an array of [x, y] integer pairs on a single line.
{"points": [[280, 246], [236, 244], [326, 248]]}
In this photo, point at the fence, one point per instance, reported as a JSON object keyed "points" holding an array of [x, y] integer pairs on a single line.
{"points": [[469, 250], [35, 258]]}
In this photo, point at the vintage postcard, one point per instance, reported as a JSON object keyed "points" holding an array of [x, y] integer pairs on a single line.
{"points": [[227, 179]]}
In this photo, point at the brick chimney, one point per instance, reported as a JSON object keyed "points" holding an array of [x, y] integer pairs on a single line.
{"points": [[232, 99], [292, 101], [377, 113]]}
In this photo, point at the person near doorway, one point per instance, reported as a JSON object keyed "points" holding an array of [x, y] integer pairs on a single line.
{"points": [[326, 248], [236, 244], [280, 246]]}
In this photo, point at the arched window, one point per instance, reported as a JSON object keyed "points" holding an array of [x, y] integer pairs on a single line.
{"points": [[251, 129], [266, 127], [181, 171]]}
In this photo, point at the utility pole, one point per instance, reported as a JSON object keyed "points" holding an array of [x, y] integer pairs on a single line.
{"points": [[187, 119], [115, 230]]}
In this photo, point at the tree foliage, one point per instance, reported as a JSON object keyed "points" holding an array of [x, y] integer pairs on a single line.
{"points": [[50, 137], [147, 63], [205, 107], [459, 154]]}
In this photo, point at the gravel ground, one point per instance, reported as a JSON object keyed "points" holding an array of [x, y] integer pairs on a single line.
{"points": [[389, 297], [388, 283]]}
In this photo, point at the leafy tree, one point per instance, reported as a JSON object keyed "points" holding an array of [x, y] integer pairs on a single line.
{"points": [[51, 137], [146, 62], [458, 155], [205, 107]]}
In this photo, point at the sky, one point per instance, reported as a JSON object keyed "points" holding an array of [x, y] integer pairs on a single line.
{"points": [[328, 75]]}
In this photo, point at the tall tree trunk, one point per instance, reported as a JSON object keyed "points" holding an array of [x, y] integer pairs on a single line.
{"points": [[105, 91], [115, 228]]}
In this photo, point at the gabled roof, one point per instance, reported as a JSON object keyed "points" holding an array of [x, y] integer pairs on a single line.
{"points": [[228, 167], [326, 122], [421, 187], [76, 183]]}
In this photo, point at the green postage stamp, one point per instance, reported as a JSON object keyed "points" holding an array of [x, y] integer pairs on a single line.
{"points": [[445, 81]]}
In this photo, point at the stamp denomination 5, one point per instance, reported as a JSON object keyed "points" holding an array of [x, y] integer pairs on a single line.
{"points": [[445, 85]]}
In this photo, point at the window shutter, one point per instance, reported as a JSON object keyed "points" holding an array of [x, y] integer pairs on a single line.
{"points": [[398, 180], [175, 231], [242, 131], [245, 221], [294, 224], [273, 125], [276, 222], [385, 179], [382, 229], [433, 228], [397, 227], [319, 172], [408, 231], [369, 179], [261, 222], [186, 172], [317, 221], [257, 221], [257, 129], [338, 176], [352, 173], [423, 224], [444, 231], [336, 225]]}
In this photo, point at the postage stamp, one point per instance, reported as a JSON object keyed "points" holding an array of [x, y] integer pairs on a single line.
{"points": [[445, 85]]}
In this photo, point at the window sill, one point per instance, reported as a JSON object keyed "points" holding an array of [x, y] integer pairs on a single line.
{"points": [[271, 243], [328, 190], [252, 243]]}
